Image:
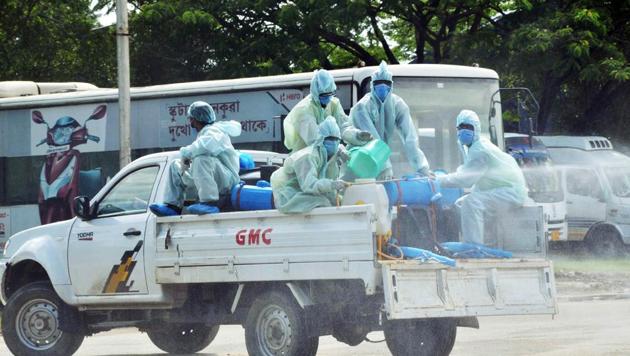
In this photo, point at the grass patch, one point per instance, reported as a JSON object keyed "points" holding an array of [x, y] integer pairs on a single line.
{"points": [[591, 264]]}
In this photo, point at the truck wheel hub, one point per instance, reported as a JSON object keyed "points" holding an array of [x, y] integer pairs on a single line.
{"points": [[274, 330], [37, 324]]}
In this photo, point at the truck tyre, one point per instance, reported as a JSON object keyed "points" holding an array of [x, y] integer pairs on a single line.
{"points": [[275, 326], [605, 242], [420, 337], [30, 323], [183, 338]]}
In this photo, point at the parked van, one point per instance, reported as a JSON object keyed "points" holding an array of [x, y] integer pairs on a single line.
{"points": [[543, 181], [596, 182]]}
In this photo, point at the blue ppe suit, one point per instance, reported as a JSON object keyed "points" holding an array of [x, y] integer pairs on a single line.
{"points": [[301, 124], [383, 118], [307, 178], [497, 181]]}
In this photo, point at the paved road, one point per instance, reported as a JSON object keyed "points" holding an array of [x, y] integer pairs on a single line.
{"points": [[581, 328]]}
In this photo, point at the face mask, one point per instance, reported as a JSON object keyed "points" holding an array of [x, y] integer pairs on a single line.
{"points": [[331, 147], [325, 100], [465, 136], [381, 91], [62, 135]]}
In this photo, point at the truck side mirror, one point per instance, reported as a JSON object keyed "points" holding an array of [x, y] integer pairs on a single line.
{"points": [[82, 207]]}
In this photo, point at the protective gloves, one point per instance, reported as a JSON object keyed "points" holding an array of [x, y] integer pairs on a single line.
{"points": [[343, 154], [339, 184], [364, 136]]}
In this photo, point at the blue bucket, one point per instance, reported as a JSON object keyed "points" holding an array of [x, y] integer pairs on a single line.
{"points": [[252, 197], [411, 192]]}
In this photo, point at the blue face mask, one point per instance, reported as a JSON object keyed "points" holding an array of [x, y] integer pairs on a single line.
{"points": [[465, 136], [331, 146], [325, 100], [381, 91]]}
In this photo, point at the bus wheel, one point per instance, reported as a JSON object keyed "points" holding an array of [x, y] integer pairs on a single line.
{"points": [[275, 326], [605, 242], [183, 338], [420, 337], [30, 323]]}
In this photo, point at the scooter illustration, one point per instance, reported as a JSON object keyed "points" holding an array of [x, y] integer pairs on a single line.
{"points": [[59, 178]]}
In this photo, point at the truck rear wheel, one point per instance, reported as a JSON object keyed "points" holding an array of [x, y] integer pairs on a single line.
{"points": [[420, 337], [30, 323], [183, 338], [275, 326]]}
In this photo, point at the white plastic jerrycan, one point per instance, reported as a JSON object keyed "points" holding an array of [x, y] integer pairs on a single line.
{"points": [[366, 191]]}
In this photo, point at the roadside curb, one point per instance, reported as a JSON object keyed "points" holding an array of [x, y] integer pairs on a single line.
{"points": [[583, 298]]}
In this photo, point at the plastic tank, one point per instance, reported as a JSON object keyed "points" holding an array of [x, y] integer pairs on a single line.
{"points": [[411, 192], [366, 191], [252, 197]]}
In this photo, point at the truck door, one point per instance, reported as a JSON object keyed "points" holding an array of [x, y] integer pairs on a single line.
{"points": [[586, 204], [106, 254]]}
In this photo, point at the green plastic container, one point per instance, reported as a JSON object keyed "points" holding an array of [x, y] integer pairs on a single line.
{"points": [[367, 161]]}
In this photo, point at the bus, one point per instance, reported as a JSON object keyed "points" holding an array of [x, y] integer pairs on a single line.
{"points": [[435, 95]]}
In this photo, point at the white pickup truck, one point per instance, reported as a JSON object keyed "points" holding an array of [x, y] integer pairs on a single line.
{"points": [[288, 279]]}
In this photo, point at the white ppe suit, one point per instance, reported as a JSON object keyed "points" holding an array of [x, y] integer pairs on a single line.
{"points": [[307, 178], [496, 180], [301, 124], [383, 118], [215, 165]]}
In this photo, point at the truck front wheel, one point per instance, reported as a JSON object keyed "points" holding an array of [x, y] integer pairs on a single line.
{"points": [[30, 323], [183, 338], [420, 337], [275, 326]]}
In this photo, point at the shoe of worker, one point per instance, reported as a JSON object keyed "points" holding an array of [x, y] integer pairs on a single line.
{"points": [[203, 208]]}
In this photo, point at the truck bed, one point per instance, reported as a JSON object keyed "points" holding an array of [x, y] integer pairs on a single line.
{"points": [[338, 243]]}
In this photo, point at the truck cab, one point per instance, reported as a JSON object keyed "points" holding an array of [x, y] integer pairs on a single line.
{"points": [[596, 183], [543, 181]]}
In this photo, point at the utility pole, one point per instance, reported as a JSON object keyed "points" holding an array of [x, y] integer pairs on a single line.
{"points": [[124, 100]]}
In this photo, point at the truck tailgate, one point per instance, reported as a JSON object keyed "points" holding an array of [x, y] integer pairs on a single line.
{"points": [[472, 288]]}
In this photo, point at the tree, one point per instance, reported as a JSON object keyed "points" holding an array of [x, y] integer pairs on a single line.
{"points": [[573, 54], [48, 40]]}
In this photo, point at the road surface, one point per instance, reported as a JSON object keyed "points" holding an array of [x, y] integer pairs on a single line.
{"points": [[598, 327]]}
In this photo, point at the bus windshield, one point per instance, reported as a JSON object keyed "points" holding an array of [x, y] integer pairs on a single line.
{"points": [[434, 104]]}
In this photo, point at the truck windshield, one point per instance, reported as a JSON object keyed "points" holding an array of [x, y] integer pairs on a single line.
{"points": [[434, 104], [543, 181], [619, 179]]}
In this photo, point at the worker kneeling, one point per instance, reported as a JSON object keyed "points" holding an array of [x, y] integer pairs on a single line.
{"points": [[496, 180], [309, 177], [209, 165]]}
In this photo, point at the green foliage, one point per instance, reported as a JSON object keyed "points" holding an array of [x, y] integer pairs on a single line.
{"points": [[574, 55], [50, 40]]}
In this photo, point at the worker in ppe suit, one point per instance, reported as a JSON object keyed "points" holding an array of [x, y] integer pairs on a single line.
{"points": [[208, 167], [381, 113], [300, 125], [309, 177], [496, 180]]}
